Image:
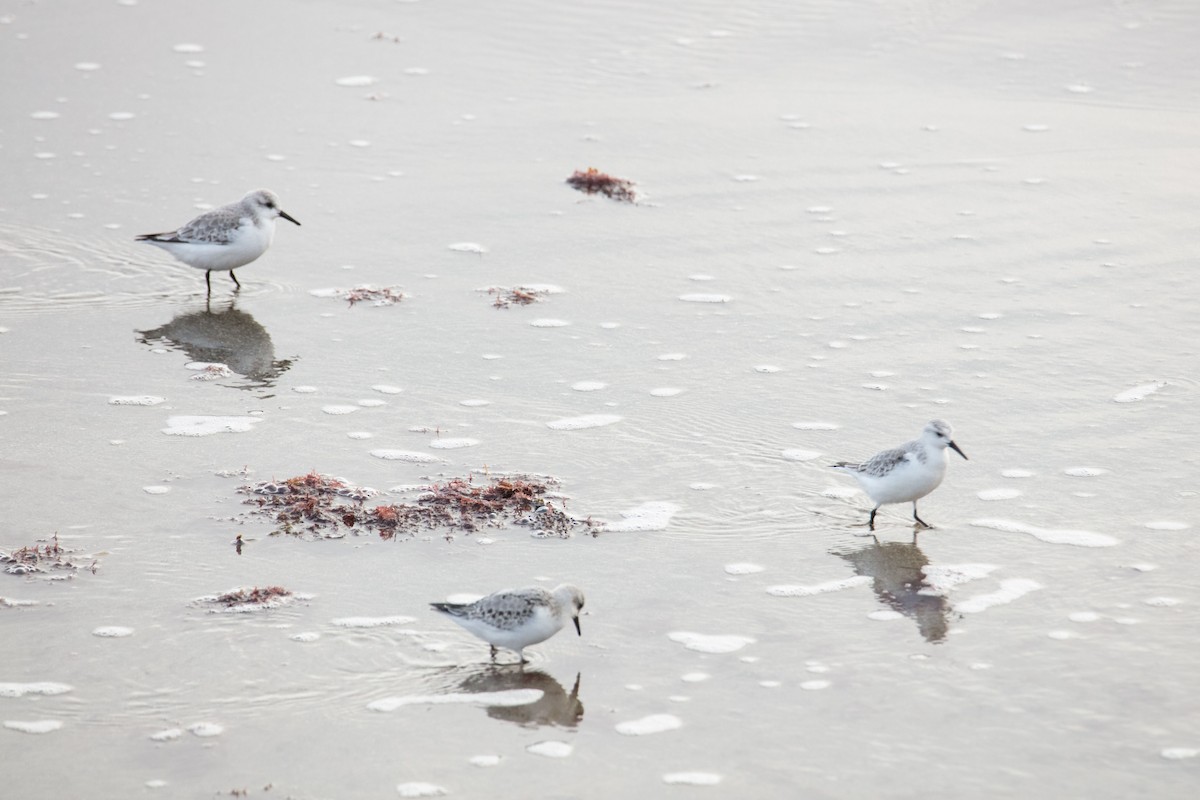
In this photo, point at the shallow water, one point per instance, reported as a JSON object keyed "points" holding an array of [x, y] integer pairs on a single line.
{"points": [[853, 219]]}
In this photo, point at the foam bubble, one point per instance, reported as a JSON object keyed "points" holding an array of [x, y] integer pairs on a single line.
{"points": [[743, 568], [167, 735], [692, 778], [406, 455], [655, 723], [1010, 590], [885, 615], [665, 391], [136, 400], [816, 426], [46, 688], [371, 402], [548, 322], [695, 677], [586, 421], [419, 789], [338, 410], [357, 80], [509, 697], [767, 369], [205, 729], [672, 357], [1017, 473], [1084, 472], [652, 516], [33, 726], [452, 444], [1161, 602], [468, 247], [998, 494], [815, 685], [589, 386], [304, 389], [1139, 392], [474, 403], [705, 298], [941, 578], [207, 426], [819, 588], [1167, 525], [384, 388], [1083, 616], [305, 636], [550, 749], [800, 455], [487, 760], [371, 622], [156, 489], [1076, 538], [1177, 753], [710, 643], [112, 632]]}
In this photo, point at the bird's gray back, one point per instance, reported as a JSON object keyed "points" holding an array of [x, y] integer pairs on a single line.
{"points": [[507, 610], [885, 461], [219, 226]]}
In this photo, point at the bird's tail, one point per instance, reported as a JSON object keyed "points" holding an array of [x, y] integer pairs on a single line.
{"points": [[453, 609]]}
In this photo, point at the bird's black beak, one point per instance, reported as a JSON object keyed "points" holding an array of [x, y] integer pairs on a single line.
{"points": [[288, 217], [577, 629], [960, 452]]}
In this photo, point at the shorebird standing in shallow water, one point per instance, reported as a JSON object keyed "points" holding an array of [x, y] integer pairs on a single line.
{"points": [[225, 238], [517, 618], [906, 473]]}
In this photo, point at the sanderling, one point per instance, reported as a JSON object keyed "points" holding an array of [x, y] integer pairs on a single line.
{"points": [[225, 238], [517, 618], [905, 473]]}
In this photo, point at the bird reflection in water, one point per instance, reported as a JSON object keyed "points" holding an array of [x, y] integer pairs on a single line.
{"points": [[555, 707], [898, 571], [230, 337]]}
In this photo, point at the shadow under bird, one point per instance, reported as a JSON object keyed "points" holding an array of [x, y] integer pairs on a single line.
{"points": [[225, 238], [517, 618], [906, 473]]}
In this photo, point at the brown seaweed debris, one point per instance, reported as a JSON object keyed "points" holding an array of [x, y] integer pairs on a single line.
{"points": [[377, 296], [593, 181], [311, 504], [516, 295], [40, 558], [256, 596]]}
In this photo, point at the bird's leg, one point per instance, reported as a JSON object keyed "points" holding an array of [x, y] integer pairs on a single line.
{"points": [[235, 280], [208, 281], [493, 651], [871, 521], [918, 519]]}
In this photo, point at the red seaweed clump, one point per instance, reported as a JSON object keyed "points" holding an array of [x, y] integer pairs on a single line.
{"points": [[516, 295], [40, 558], [593, 181], [311, 504]]}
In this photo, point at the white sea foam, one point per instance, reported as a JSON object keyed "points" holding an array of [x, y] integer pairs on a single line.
{"points": [[581, 423], [655, 723], [207, 426], [550, 749], [384, 388], [419, 789], [1177, 753], [1084, 472], [801, 455], [998, 494], [816, 426], [205, 729], [1017, 473], [941, 578], [652, 516], [357, 80], [305, 636], [33, 726], [468, 247], [485, 760], [406, 455], [589, 386], [371, 622], [156, 489], [549, 322], [41, 687], [1010, 590], [1076, 538], [1167, 525], [167, 735], [710, 643], [136, 400], [112, 632], [1139, 392], [338, 410], [705, 298], [452, 444], [665, 391], [692, 778], [743, 568], [818, 588], [815, 685]]}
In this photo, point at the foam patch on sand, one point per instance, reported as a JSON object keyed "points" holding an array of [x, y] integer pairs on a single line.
{"points": [[653, 516], [1076, 538], [655, 723], [710, 643], [1010, 590], [510, 697], [818, 588]]}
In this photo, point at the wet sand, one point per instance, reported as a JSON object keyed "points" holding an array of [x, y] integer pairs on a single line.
{"points": [[851, 220]]}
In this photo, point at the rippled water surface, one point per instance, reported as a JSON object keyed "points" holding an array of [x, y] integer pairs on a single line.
{"points": [[852, 219]]}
